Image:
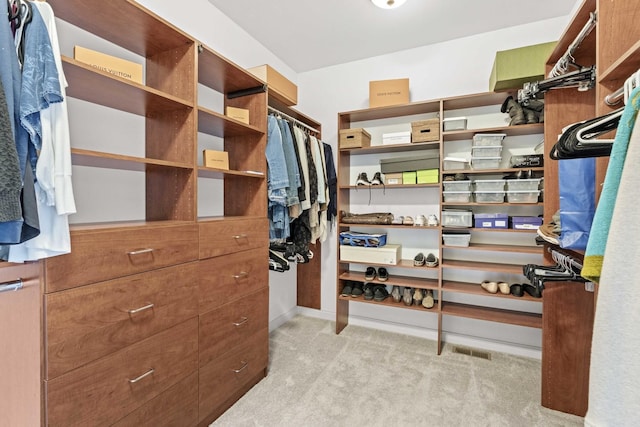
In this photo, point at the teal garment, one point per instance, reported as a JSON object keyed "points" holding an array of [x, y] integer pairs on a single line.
{"points": [[597, 244]]}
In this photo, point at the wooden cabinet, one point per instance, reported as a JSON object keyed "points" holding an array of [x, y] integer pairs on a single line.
{"points": [[122, 342], [456, 280]]}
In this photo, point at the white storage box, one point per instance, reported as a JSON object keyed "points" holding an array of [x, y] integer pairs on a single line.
{"points": [[457, 196], [388, 254], [456, 239], [523, 196], [454, 163], [456, 218], [488, 139], [396, 138], [523, 184], [489, 184], [485, 162], [454, 123], [486, 151], [457, 185], [489, 196]]}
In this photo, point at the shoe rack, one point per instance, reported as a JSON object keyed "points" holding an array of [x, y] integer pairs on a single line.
{"points": [[456, 280], [569, 309]]}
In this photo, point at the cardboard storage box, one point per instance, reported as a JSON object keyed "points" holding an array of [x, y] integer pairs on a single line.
{"points": [[216, 159], [425, 130], [240, 114], [396, 138], [388, 254], [497, 220], [280, 87], [514, 67], [409, 178], [428, 176], [383, 93], [393, 178], [110, 64], [428, 159], [354, 138]]}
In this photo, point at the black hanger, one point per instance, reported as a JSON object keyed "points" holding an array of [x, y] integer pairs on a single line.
{"points": [[580, 139]]}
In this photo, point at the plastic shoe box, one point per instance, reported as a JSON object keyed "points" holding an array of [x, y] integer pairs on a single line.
{"points": [[523, 184], [461, 240], [497, 220], [526, 222], [388, 254], [489, 184], [454, 123], [456, 218], [457, 196], [454, 163], [489, 196], [488, 139], [523, 196], [457, 185], [486, 151], [485, 162]]}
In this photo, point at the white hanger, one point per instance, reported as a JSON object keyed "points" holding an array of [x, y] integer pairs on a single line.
{"points": [[580, 135]]}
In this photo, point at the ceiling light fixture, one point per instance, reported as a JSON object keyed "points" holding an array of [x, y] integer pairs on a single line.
{"points": [[388, 4]]}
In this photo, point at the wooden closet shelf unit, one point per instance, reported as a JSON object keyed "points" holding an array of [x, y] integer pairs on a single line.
{"points": [[161, 320], [494, 243]]}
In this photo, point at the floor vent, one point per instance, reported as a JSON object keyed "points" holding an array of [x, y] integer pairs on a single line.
{"points": [[471, 352]]}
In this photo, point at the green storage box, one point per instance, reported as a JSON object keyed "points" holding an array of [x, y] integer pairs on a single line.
{"points": [[428, 176], [514, 67], [408, 178]]}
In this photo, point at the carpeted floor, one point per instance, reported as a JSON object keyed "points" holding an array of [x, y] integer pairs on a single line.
{"points": [[365, 377]]}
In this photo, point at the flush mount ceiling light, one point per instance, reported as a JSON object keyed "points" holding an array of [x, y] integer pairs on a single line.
{"points": [[388, 4]]}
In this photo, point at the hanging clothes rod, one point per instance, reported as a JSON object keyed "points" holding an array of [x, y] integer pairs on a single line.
{"points": [[293, 119], [11, 286], [624, 91], [563, 258], [566, 60]]}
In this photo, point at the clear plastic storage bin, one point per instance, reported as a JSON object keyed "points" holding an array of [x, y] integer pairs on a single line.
{"points": [[489, 196], [457, 185], [487, 151], [523, 184], [454, 163], [456, 239], [491, 139], [456, 218], [485, 162], [457, 196], [523, 196], [489, 184]]}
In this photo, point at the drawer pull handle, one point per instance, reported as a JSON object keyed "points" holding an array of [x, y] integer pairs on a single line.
{"points": [[146, 374], [141, 251], [241, 275], [138, 310], [241, 322], [240, 236], [11, 286], [244, 366]]}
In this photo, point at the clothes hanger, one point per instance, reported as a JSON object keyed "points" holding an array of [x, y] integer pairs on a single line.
{"points": [[604, 125]]}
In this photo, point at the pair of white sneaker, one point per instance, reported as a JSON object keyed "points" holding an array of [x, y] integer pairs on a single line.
{"points": [[430, 221]]}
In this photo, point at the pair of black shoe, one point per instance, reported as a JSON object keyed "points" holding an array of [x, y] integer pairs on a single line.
{"points": [[375, 292], [370, 274], [364, 180], [518, 290], [352, 289]]}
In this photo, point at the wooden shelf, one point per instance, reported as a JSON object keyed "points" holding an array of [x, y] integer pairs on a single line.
{"points": [[491, 230], [219, 125], [407, 281], [482, 266], [390, 112], [622, 68], [204, 172], [403, 227], [98, 159], [491, 171], [474, 100], [500, 248], [491, 204], [475, 289], [393, 148], [222, 75], [404, 263], [460, 135], [387, 187], [389, 302], [122, 22], [532, 320], [99, 87]]}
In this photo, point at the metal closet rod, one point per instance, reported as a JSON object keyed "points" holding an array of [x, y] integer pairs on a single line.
{"points": [[567, 59], [294, 120]]}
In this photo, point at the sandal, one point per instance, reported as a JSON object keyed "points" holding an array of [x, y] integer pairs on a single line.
{"points": [[383, 274], [431, 260], [419, 260], [370, 274]]}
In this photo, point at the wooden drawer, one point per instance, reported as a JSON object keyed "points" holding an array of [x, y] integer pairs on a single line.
{"points": [[232, 235], [176, 407], [90, 322], [103, 254], [110, 388], [228, 278], [232, 324], [223, 377]]}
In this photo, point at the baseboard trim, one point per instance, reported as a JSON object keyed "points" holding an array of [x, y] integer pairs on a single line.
{"points": [[430, 334], [282, 319]]}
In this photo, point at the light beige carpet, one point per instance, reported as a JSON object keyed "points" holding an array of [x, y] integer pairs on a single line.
{"points": [[365, 377]]}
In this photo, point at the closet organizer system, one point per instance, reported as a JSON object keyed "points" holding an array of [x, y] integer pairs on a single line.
{"points": [[161, 320]]}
